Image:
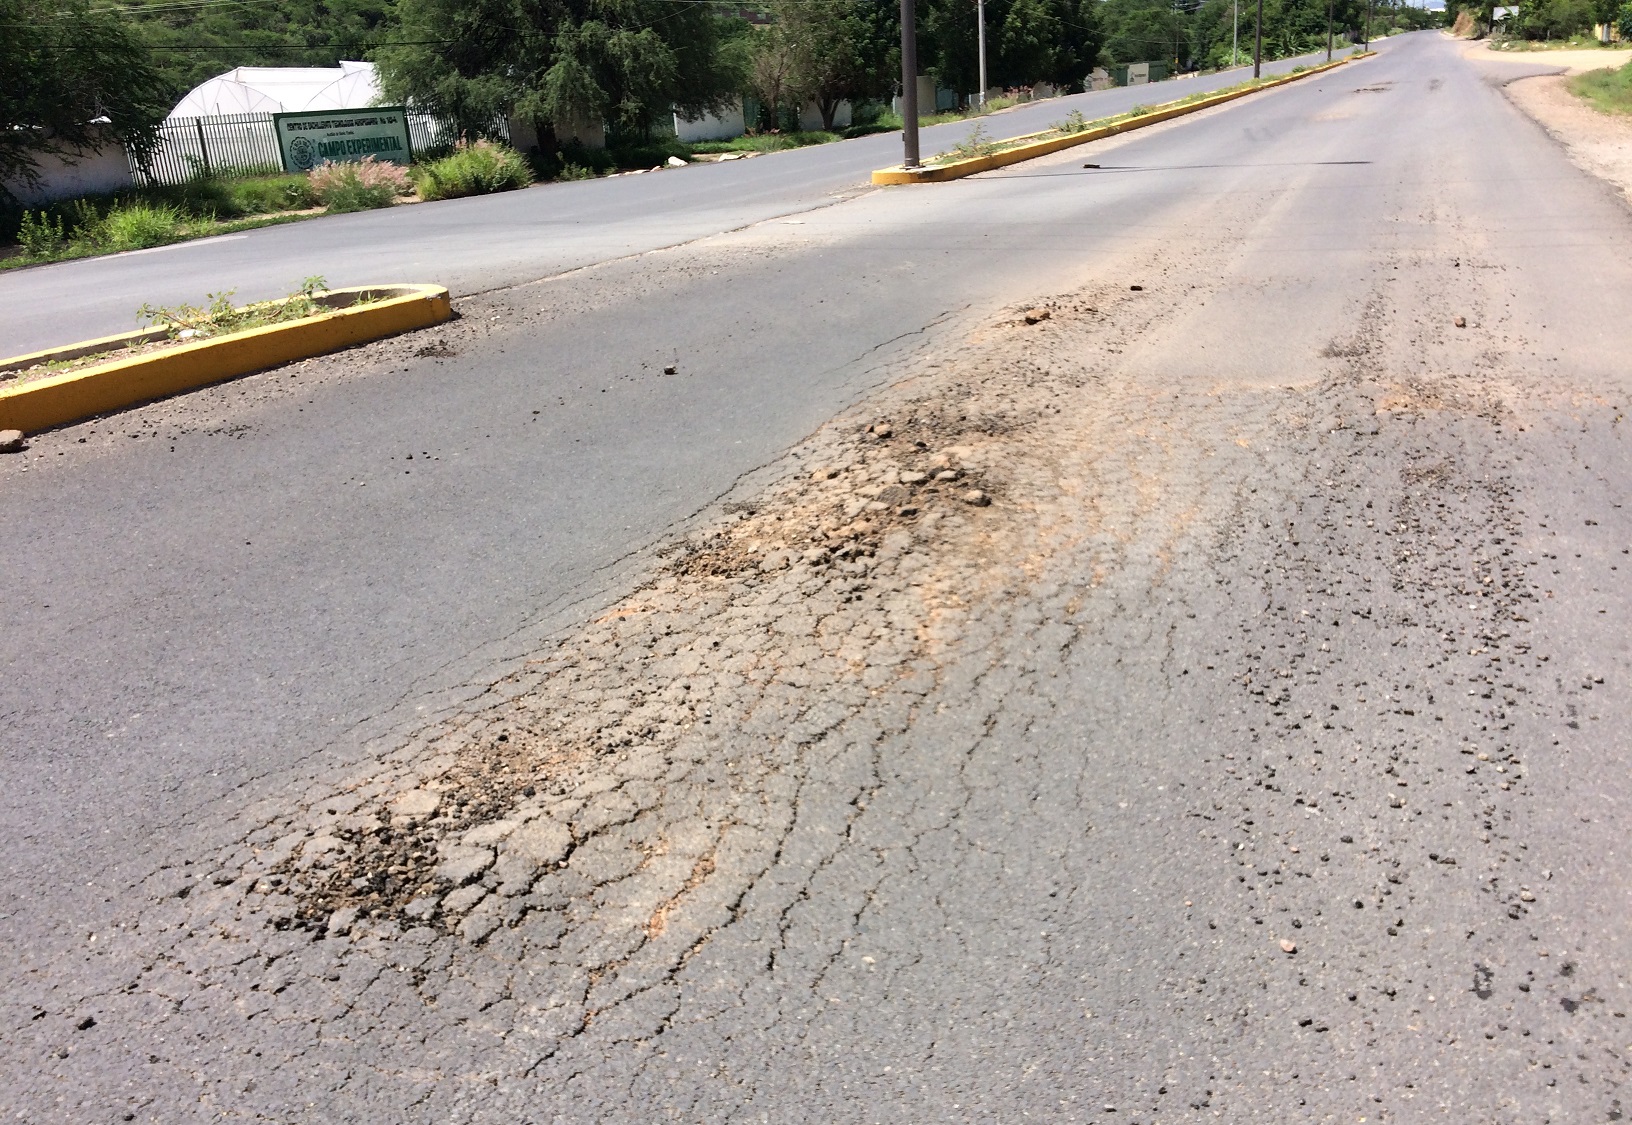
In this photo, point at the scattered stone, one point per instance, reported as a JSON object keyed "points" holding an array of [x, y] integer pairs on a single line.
{"points": [[1288, 946], [544, 841], [676, 162], [1460, 322], [914, 478], [1527, 896], [342, 920], [881, 430], [976, 497], [421, 908], [11, 441], [1137, 288], [824, 474], [416, 804], [462, 900], [670, 369], [948, 474], [1034, 316], [461, 864]]}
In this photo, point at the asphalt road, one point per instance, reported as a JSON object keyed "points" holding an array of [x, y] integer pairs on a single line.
{"points": [[474, 245], [1253, 755]]}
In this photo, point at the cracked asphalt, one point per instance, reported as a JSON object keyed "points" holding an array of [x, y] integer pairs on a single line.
{"points": [[1205, 702]]}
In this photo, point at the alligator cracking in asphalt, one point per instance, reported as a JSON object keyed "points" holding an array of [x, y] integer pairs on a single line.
{"points": [[685, 770]]}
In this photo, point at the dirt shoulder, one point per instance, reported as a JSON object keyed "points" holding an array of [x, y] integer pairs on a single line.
{"points": [[1597, 142], [1573, 62]]}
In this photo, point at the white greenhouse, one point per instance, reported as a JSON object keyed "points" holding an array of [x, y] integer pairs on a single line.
{"points": [[282, 89]]}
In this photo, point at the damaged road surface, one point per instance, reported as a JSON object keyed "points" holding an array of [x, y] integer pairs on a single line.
{"points": [[1203, 702]]}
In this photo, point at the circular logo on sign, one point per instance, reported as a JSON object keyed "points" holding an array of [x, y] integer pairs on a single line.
{"points": [[302, 152]]}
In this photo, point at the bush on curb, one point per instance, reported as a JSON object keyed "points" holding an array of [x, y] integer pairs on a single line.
{"points": [[358, 186], [473, 169]]}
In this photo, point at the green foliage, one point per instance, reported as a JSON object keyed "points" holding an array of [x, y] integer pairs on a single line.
{"points": [[1291, 27], [1551, 19], [765, 142], [221, 316], [475, 169], [977, 143], [1074, 122], [826, 52], [560, 66], [1607, 90], [1028, 41], [1623, 21], [137, 227], [195, 41], [362, 185], [66, 64], [41, 235]]}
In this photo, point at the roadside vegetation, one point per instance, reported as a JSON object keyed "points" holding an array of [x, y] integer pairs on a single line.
{"points": [[185, 324], [1609, 91], [476, 169], [139, 218]]}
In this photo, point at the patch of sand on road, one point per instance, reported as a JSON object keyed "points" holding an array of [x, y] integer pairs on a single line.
{"points": [[1598, 143]]}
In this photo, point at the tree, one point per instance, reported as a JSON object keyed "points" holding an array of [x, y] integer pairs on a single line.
{"points": [[827, 52], [73, 76], [1029, 41], [194, 41], [557, 62]]}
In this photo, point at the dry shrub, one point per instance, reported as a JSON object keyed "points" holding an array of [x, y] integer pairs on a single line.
{"points": [[360, 185]]}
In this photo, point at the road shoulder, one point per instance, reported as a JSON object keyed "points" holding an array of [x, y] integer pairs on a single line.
{"points": [[1598, 143]]}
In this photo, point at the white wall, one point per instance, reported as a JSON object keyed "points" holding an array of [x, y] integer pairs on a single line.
{"points": [[810, 118], [92, 173], [711, 127]]}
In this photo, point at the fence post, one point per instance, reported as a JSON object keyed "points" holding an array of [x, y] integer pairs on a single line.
{"points": [[203, 149]]}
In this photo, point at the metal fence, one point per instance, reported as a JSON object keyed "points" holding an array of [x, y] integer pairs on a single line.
{"points": [[245, 143]]}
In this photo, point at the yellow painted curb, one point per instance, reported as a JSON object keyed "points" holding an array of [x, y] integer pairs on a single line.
{"points": [[958, 169], [113, 386]]}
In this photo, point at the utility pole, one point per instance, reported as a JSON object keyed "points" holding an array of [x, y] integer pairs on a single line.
{"points": [[1258, 43], [1366, 42], [1235, 36], [1329, 4], [980, 14], [909, 86]]}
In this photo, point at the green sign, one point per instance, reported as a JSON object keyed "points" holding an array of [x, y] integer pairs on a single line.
{"points": [[321, 136]]}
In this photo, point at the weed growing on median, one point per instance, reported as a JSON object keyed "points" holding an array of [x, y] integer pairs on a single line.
{"points": [[221, 316], [1074, 122], [977, 143]]}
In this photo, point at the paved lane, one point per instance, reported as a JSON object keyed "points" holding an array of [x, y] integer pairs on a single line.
{"points": [[1293, 618], [473, 245]]}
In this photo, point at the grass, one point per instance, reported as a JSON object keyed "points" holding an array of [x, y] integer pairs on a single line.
{"points": [[1608, 91], [761, 142], [138, 218], [476, 169], [1573, 43]]}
